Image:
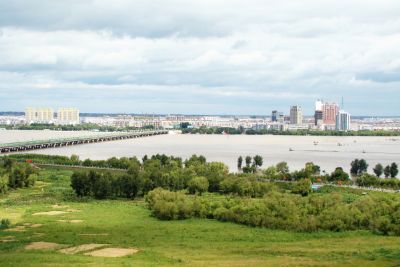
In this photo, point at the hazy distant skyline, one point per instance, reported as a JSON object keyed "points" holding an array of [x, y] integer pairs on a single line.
{"points": [[200, 57]]}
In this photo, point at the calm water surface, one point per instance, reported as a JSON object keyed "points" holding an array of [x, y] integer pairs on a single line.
{"points": [[328, 152]]}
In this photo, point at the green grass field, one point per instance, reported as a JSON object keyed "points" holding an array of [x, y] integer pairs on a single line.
{"points": [[194, 242]]}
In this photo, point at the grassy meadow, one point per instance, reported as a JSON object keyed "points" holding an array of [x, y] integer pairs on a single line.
{"points": [[192, 242]]}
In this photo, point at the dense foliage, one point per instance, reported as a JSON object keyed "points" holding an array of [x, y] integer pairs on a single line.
{"points": [[15, 175], [284, 211]]}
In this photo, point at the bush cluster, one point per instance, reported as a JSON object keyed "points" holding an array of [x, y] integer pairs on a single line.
{"points": [[284, 211], [16, 175]]}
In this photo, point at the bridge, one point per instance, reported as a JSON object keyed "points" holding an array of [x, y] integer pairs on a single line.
{"points": [[71, 141]]}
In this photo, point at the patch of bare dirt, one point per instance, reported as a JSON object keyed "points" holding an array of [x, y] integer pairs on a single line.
{"points": [[71, 221], [19, 228], [43, 245], [58, 206], [32, 225], [8, 238], [50, 213], [81, 248], [36, 225], [73, 210], [112, 252]]}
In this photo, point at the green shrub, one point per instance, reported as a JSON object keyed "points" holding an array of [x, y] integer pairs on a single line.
{"points": [[5, 223]]}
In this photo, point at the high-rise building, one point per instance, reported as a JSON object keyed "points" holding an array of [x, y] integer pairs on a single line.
{"points": [[330, 110], [39, 115], [281, 117], [68, 116], [274, 116], [318, 117], [343, 121], [277, 116], [296, 115], [318, 114]]}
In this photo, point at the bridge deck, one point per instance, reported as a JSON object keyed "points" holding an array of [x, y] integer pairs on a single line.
{"points": [[57, 142]]}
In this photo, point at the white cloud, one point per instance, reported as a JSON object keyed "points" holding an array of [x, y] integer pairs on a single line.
{"points": [[180, 51]]}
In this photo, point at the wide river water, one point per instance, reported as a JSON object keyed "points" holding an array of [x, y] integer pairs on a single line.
{"points": [[328, 151]]}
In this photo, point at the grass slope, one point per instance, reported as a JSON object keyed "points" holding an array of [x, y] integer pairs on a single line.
{"points": [[166, 243]]}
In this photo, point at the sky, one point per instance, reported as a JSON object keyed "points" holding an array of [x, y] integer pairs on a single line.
{"points": [[200, 57]]}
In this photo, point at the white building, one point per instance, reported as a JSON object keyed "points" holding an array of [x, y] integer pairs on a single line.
{"points": [[39, 115], [296, 115], [68, 116], [343, 121]]}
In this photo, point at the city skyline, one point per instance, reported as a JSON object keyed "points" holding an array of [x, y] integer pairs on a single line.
{"points": [[202, 57]]}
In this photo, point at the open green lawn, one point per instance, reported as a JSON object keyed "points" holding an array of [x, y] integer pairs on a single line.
{"points": [[193, 242]]}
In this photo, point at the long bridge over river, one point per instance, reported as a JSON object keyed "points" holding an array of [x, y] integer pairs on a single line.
{"points": [[71, 141]]}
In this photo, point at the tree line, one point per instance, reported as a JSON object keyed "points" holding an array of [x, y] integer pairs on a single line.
{"points": [[330, 212], [241, 130]]}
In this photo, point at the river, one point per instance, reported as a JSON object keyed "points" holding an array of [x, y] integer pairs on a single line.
{"points": [[326, 151]]}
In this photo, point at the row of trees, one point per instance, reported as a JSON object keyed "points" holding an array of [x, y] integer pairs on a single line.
{"points": [[229, 130], [251, 163], [77, 127], [284, 211], [15, 175], [194, 174], [360, 166], [389, 171]]}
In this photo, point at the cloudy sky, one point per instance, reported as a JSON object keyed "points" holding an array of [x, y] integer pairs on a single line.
{"points": [[200, 56]]}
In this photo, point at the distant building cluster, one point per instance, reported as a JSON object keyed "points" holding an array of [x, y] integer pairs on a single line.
{"points": [[63, 116], [327, 116]]}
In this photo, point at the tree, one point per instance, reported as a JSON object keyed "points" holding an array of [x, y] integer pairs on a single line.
{"points": [[239, 163], [248, 161], [302, 187], [378, 169], [198, 184], [363, 166], [3, 184], [358, 167], [102, 186], [130, 184], [386, 171], [312, 169], [80, 184], [338, 175], [258, 160], [282, 167], [394, 170]]}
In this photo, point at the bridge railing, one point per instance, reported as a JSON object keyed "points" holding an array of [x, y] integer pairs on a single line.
{"points": [[78, 138]]}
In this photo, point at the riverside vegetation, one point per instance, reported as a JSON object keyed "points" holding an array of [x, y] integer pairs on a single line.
{"points": [[250, 197], [295, 226]]}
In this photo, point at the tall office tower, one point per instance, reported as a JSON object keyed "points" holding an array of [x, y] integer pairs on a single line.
{"points": [[39, 115], [274, 116], [330, 110], [296, 115], [318, 117], [343, 121], [68, 116], [318, 114], [281, 117]]}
